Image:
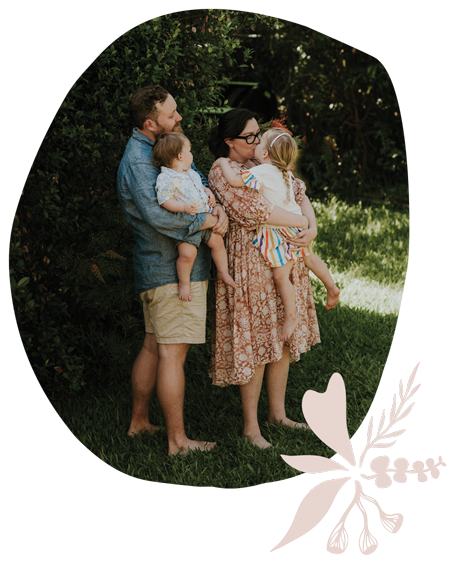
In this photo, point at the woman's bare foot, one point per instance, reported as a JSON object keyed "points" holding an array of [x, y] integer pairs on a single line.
{"points": [[332, 297], [190, 445], [144, 428], [289, 423], [226, 278], [184, 292], [290, 324], [257, 440]]}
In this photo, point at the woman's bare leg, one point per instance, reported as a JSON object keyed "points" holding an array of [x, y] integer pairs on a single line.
{"points": [[319, 268], [219, 256], [287, 293], [250, 393], [276, 381], [186, 257]]}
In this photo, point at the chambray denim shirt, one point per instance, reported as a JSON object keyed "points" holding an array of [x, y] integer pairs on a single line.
{"points": [[156, 230]]}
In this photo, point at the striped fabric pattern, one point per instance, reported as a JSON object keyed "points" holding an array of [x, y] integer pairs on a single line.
{"points": [[272, 244], [251, 181]]}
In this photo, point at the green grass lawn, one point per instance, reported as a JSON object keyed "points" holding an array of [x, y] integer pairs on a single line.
{"points": [[366, 251]]}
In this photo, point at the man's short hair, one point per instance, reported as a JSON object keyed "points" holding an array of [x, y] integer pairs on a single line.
{"points": [[167, 148], [143, 104]]}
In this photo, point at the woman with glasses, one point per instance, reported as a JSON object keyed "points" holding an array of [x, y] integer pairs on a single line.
{"points": [[248, 319]]}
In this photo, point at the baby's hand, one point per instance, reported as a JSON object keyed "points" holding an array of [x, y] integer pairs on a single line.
{"points": [[190, 208], [211, 198]]}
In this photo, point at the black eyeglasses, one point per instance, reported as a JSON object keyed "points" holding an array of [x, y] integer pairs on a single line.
{"points": [[250, 138]]}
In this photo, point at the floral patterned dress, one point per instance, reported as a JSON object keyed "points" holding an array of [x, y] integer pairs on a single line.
{"points": [[247, 321]]}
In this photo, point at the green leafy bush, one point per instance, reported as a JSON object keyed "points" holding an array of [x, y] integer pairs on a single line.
{"points": [[71, 251], [343, 103]]}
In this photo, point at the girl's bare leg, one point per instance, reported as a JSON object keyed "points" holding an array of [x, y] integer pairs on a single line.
{"points": [[219, 256], [250, 393], [186, 257], [318, 267], [287, 293]]}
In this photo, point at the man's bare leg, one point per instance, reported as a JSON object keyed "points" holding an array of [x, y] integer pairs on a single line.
{"points": [[250, 393], [143, 379], [276, 382], [170, 391]]}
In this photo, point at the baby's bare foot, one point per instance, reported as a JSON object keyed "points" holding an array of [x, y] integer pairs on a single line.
{"points": [[332, 297], [290, 324], [226, 278], [184, 292], [191, 445]]}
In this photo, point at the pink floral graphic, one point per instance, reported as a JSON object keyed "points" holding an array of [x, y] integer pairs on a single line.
{"points": [[326, 415]]}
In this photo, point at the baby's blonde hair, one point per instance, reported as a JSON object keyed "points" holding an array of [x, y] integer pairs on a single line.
{"points": [[282, 152]]}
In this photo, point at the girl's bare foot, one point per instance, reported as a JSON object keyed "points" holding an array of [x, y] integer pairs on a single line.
{"points": [[184, 292], [290, 324], [191, 445], [226, 278], [332, 297], [257, 440]]}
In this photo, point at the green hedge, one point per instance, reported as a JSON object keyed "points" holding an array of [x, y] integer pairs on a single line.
{"points": [[343, 103], [71, 251]]}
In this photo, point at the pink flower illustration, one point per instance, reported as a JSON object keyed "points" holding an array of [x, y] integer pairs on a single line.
{"points": [[380, 466], [401, 465]]}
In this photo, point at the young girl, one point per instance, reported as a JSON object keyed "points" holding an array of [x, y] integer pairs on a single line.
{"points": [[179, 189], [277, 152]]}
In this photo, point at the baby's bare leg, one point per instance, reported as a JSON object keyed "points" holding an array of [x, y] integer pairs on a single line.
{"points": [[318, 267], [186, 257], [287, 293], [219, 255]]}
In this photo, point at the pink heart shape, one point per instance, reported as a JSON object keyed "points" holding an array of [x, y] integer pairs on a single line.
{"points": [[326, 414]]}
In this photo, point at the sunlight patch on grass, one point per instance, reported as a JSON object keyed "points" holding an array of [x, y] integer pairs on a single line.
{"points": [[367, 294]]}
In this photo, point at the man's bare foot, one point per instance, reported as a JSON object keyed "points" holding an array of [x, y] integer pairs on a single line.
{"points": [[332, 297], [190, 445], [226, 278], [145, 428], [184, 292], [290, 324], [257, 440], [289, 423]]}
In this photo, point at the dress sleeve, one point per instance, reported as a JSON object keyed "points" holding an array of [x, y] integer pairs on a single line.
{"points": [[165, 188], [299, 189], [242, 205], [251, 181]]}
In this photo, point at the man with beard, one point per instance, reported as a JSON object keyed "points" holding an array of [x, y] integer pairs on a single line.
{"points": [[171, 325]]}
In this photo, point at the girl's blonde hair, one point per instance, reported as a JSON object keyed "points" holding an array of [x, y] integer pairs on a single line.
{"points": [[167, 147], [283, 151]]}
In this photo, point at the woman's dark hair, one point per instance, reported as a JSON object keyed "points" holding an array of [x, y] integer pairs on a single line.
{"points": [[230, 125]]}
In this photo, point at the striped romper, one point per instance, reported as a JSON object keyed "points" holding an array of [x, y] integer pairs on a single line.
{"points": [[268, 180]]}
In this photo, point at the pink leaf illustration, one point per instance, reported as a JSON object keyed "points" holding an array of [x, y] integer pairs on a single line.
{"points": [[407, 412], [326, 414], [312, 464], [312, 509], [383, 445]]}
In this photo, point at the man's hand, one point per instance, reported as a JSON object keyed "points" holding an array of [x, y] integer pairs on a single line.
{"points": [[303, 240], [222, 223], [190, 208]]}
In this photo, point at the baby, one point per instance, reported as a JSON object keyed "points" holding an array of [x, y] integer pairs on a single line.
{"points": [[277, 152], [179, 189]]}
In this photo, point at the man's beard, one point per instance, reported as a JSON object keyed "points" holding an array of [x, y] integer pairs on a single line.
{"points": [[177, 128]]}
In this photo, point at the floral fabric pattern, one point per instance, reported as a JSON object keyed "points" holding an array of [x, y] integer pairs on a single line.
{"points": [[182, 186], [247, 320]]}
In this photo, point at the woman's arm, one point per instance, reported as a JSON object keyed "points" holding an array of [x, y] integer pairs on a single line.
{"points": [[230, 175], [283, 218]]}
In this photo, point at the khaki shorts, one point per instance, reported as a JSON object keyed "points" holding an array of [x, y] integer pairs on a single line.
{"points": [[174, 321]]}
